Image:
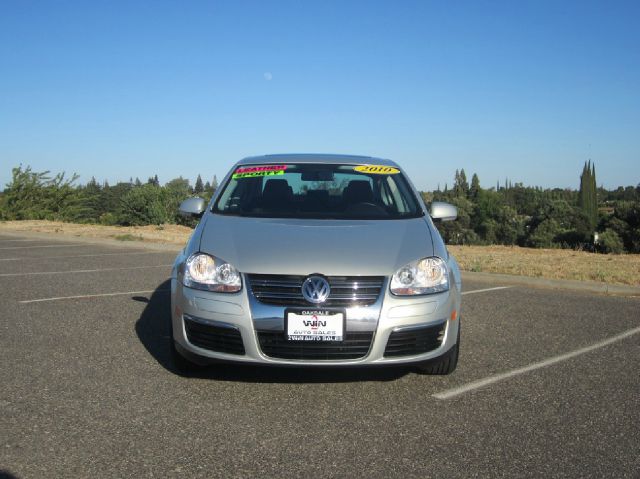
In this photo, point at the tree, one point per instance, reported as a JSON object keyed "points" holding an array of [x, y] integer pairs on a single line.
{"points": [[92, 198], [587, 196], [153, 180], [142, 206], [176, 191], [459, 231], [625, 222], [544, 235], [111, 195], [198, 188], [475, 187], [460, 184], [32, 195]]}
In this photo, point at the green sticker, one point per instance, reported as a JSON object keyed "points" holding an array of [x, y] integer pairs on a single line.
{"points": [[258, 171]]}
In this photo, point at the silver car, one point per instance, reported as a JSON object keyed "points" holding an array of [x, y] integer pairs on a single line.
{"points": [[316, 260]]}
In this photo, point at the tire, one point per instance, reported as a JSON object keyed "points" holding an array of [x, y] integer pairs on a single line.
{"points": [[445, 364], [181, 364]]}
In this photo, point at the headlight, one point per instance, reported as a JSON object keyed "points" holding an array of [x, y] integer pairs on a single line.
{"points": [[211, 274], [425, 276]]}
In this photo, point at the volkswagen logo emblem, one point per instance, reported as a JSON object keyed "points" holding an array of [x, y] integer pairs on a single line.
{"points": [[315, 289]]}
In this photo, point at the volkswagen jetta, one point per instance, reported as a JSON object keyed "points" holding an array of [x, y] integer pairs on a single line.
{"points": [[316, 260]]}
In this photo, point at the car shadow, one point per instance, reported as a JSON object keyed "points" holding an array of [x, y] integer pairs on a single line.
{"points": [[153, 330]]}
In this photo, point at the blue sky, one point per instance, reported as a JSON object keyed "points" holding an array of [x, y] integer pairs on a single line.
{"points": [[524, 90]]}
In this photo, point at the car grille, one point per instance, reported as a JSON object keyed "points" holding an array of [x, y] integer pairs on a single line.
{"points": [[415, 341], [286, 290], [222, 339], [355, 345]]}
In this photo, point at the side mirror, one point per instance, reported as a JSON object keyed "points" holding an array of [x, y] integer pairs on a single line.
{"points": [[443, 211], [192, 207]]}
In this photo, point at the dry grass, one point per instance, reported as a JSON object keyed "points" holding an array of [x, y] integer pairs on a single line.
{"points": [[168, 234], [542, 263], [550, 263]]}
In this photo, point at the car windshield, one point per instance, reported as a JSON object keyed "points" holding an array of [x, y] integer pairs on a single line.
{"points": [[318, 191]]}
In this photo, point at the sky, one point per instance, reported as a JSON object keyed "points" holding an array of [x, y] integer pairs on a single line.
{"points": [[522, 90]]}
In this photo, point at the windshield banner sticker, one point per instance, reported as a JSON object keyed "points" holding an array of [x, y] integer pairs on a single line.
{"points": [[377, 169], [256, 171]]}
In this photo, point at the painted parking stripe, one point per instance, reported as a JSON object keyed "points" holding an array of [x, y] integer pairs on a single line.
{"points": [[19, 240], [100, 295], [486, 290], [88, 255], [75, 245], [61, 298], [39, 273], [450, 393]]}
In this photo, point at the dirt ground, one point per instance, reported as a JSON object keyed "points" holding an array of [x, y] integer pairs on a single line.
{"points": [[543, 263], [168, 234], [550, 263]]}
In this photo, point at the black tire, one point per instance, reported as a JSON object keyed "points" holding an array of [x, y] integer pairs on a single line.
{"points": [[181, 364], [445, 364]]}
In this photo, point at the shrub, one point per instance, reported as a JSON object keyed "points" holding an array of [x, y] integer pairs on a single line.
{"points": [[610, 242], [143, 205]]}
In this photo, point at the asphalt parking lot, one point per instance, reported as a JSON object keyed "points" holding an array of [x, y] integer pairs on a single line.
{"points": [[548, 384]]}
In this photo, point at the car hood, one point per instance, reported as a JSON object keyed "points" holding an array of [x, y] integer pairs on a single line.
{"points": [[330, 247]]}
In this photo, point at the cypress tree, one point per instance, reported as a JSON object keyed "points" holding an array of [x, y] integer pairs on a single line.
{"points": [[464, 184], [587, 198], [475, 187]]}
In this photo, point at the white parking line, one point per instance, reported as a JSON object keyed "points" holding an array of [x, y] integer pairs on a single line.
{"points": [[450, 393], [486, 290], [4, 275], [17, 240], [50, 246], [59, 298], [87, 255], [81, 296]]}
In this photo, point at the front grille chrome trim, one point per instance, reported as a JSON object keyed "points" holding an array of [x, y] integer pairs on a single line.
{"points": [[346, 291]]}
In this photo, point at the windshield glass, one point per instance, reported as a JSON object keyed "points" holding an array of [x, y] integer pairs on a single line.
{"points": [[318, 191]]}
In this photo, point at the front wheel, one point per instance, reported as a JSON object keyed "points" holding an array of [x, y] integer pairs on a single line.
{"points": [[445, 364], [181, 364]]}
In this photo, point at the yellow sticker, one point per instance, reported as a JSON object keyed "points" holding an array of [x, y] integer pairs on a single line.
{"points": [[377, 169]]}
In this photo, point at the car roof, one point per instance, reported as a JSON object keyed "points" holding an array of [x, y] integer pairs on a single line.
{"points": [[315, 158]]}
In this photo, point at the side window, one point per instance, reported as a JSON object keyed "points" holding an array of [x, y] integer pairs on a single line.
{"points": [[398, 198], [385, 195]]}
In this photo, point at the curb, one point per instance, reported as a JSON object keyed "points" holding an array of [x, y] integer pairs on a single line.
{"points": [[564, 284]]}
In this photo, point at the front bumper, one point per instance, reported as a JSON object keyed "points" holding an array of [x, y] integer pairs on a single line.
{"points": [[241, 324]]}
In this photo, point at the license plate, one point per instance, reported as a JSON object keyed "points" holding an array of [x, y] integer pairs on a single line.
{"points": [[314, 325]]}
